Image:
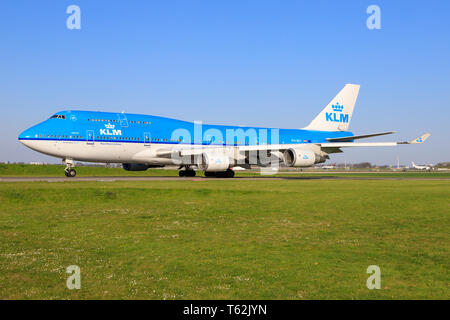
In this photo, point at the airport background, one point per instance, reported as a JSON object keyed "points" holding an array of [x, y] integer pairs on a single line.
{"points": [[262, 63], [307, 234]]}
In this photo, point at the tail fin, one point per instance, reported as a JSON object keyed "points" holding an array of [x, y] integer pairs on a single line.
{"points": [[337, 114]]}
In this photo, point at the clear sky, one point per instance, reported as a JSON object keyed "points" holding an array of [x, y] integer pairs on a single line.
{"points": [[248, 62]]}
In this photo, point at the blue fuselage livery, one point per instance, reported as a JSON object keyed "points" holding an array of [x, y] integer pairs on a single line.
{"points": [[140, 142], [134, 128]]}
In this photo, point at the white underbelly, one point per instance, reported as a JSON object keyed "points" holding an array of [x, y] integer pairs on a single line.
{"points": [[109, 152]]}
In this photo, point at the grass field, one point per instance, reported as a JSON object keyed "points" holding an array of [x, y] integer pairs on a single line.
{"points": [[232, 239], [20, 170]]}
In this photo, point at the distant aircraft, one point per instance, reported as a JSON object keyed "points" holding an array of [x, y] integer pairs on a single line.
{"points": [[140, 142], [428, 168], [329, 167]]}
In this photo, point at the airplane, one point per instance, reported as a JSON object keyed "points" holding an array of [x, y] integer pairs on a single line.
{"points": [[140, 142], [428, 168], [333, 166]]}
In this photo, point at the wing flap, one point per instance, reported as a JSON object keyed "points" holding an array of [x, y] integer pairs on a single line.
{"points": [[363, 136], [357, 144], [418, 140]]}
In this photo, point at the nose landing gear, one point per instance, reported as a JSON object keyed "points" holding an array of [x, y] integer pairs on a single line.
{"points": [[69, 171]]}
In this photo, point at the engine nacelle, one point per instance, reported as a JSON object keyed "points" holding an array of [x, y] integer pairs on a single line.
{"points": [[213, 162], [299, 158], [134, 166]]}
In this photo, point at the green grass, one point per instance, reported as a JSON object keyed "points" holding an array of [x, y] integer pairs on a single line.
{"points": [[232, 239], [20, 170]]}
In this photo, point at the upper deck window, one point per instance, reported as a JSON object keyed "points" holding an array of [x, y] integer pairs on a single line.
{"points": [[58, 116]]}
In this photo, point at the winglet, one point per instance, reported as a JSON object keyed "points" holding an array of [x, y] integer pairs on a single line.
{"points": [[420, 139]]}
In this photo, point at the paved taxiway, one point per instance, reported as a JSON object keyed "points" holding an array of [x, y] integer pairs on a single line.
{"points": [[257, 178]]}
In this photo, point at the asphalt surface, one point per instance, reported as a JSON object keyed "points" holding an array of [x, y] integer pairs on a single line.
{"points": [[256, 178]]}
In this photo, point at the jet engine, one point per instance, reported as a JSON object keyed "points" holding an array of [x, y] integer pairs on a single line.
{"points": [[300, 158], [213, 162], [134, 166]]}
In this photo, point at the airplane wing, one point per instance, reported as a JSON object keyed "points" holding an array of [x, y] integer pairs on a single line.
{"points": [[199, 149], [418, 140], [350, 138], [358, 144]]}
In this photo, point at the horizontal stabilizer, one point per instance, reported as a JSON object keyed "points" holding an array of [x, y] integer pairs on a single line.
{"points": [[350, 138]]}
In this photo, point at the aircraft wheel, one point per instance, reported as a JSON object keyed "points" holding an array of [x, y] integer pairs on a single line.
{"points": [[191, 173], [230, 173], [210, 174], [71, 173], [182, 173], [221, 174]]}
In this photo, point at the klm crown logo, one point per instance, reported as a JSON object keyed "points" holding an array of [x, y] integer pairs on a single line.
{"points": [[337, 107], [109, 126], [337, 115]]}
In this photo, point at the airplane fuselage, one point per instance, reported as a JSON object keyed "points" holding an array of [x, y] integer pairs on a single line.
{"points": [[133, 138]]}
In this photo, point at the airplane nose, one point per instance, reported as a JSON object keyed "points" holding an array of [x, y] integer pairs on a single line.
{"points": [[25, 135], [29, 136]]}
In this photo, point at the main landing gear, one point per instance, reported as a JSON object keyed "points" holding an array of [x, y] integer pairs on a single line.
{"points": [[69, 171], [221, 174], [186, 173]]}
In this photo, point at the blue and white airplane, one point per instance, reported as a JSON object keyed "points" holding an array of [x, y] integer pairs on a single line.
{"points": [[140, 142]]}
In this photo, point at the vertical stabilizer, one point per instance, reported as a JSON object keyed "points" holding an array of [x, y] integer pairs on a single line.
{"points": [[337, 114]]}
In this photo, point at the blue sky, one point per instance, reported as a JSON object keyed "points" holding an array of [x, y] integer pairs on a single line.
{"points": [[264, 63]]}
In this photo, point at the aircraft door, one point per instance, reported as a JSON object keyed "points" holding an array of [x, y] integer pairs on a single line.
{"points": [[90, 137], [147, 139], [123, 120]]}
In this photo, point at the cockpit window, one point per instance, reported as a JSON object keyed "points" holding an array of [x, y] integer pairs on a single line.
{"points": [[58, 116]]}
